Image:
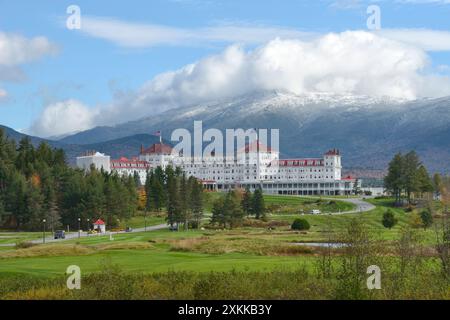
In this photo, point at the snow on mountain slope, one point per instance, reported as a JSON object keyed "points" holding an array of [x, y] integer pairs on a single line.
{"points": [[368, 130]]}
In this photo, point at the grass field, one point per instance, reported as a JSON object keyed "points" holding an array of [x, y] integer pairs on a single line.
{"points": [[247, 248], [295, 205]]}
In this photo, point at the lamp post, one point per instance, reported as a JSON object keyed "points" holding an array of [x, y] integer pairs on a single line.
{"points": [[79, 227], [88, 225], [43, 233]]}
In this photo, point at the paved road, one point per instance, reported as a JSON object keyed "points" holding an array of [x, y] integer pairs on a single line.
{"points": [[74, 235], [361, 205]]}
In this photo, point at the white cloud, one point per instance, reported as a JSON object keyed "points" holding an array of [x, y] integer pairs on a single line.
{"points": [[3, 95], [67, 116], [356, 62], [16, 49], [429, 40], [137, 35], [424, 1]]}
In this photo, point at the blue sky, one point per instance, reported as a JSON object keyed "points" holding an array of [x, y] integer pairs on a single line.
{"points": [[95, 66]]}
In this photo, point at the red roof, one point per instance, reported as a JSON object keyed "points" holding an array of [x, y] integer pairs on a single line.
{"points": [[334, 152], [99, 222], [157, 148], [256, 146]]}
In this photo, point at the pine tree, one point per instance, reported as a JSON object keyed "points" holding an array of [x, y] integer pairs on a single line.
{"points": [[173, 201], [25, 157], [2, 212], [437, 183], [218, 214], [411, 165], [389, 219], [246, 202], [425, 184], [258, 207], [196, 201], [394, 180], [232, 209], [184, 196]]}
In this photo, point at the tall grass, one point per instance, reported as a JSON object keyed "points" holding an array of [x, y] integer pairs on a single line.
{"points": [[300, 284]]}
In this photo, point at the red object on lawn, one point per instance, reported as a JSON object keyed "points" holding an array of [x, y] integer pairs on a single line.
{"points": [[99, 222]]}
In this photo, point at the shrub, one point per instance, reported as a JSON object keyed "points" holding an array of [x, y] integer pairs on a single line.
{"points": [[389, 219], [427, 218], [300, 224]]}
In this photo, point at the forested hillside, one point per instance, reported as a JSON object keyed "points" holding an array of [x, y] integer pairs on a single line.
{"points": [[36, 183]]}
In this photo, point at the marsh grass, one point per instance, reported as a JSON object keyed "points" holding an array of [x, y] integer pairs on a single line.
{"points": [[256, 246]]}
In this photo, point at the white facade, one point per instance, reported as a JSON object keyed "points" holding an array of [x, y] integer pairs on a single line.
{"points": [[264, 169], [97, 159], [128, 167]]}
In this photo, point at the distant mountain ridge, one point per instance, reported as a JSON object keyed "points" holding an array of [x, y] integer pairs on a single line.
{"points": [[368, 131], [122, 147]]}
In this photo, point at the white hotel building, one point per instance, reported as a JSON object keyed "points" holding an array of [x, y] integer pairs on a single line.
{"points": [[309, 176]]}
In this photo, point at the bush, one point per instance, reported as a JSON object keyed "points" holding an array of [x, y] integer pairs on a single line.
{"points": [[389, 219], [300, 224], [427, 218]]}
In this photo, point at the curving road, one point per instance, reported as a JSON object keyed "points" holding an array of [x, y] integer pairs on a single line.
{"points": [[74, 235], [361, 205]]}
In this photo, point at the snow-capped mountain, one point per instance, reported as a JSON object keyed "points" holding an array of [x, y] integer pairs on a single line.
{"points": [[367, 130]]}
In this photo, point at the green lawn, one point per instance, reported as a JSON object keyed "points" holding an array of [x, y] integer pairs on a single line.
{"points": [[139, 221], [14, 237], [293, 204], [148, 261], [159, 257]]}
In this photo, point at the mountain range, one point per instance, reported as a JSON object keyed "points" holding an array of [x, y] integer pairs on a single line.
{"points": [[368, 131]]}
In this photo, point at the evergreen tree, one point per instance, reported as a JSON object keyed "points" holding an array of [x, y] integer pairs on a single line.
{"points": [[425, 184], [437, 183], [232, 209], [149, 204], [184, 191], [427, 219], [218, 214], [196, 200], [25, 157], [247, 202], [411, 176], [159, 188], [37, 183], [389, 219], [173, 200], [2, 211], [258, 207], [394, 180]]}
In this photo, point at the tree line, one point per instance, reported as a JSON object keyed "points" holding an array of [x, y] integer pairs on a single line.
{"points": [[408, 176], [36, 183], [182, 197], [230, 211]]}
